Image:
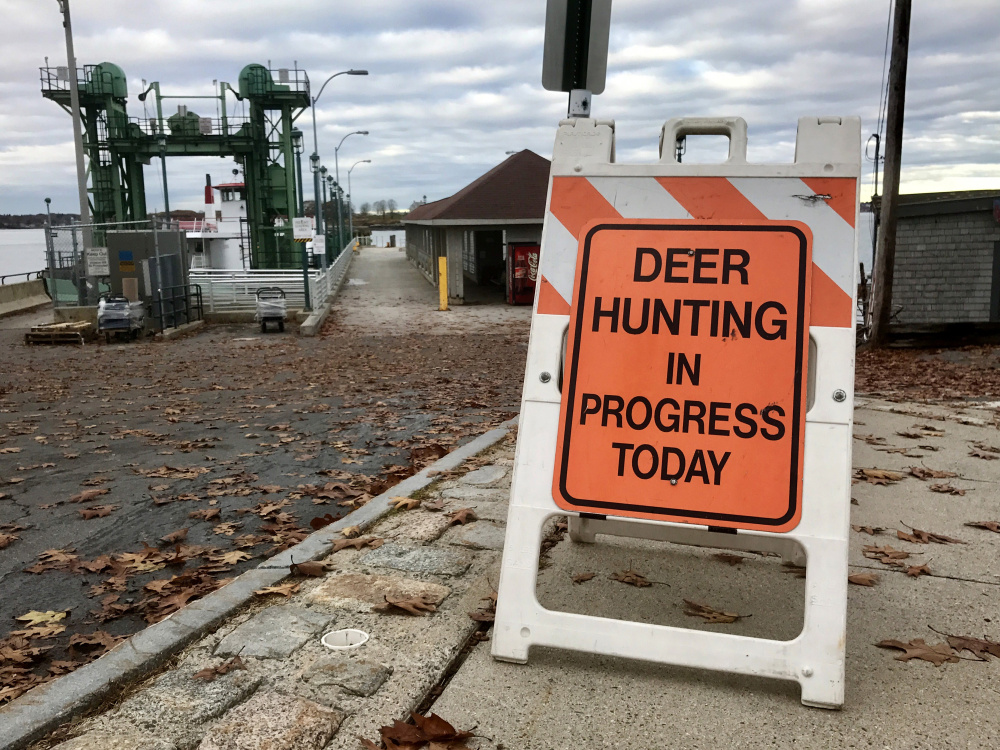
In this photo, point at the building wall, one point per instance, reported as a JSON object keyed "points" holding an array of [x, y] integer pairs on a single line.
{"points": [[945, 268]]}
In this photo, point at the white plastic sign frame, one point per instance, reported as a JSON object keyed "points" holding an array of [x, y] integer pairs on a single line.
{"points": [[819, 189]]}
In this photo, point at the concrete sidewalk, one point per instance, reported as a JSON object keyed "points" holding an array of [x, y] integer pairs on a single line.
{"points": [[294, 693]]}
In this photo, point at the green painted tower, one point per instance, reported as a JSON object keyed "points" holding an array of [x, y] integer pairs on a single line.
{"points": [[118, 146]]}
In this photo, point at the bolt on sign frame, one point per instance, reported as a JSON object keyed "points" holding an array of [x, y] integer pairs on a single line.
{"points": [[690, 374]]}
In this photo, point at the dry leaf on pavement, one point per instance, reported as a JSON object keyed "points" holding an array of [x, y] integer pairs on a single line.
{"points": [[434, 506], [631, 577], [915, 571], [463, 516], [309, 569], [709, 614], [88, 495], [174, 537], [210, 673], [987, 525], [359, 543], [980, 647], [284, 589], [937, 654], [863, 579], [885, 555], [320, 522], [583, 577], [404, 503], [877, 476], [34, 617], [919, 536], [870, 530], [97, 511], [206, 514], [411, 605], [350, 531], [947, 489], [923, 473]]}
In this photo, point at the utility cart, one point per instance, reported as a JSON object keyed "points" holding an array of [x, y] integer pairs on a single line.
{"points": [[117, 316], [271, 306]]}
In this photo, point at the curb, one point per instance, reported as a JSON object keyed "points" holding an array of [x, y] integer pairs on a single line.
{"points": [[311, 325], [173, 333], [42, 709]]}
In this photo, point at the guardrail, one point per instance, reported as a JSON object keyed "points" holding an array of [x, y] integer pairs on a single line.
{"points": [[231, 291], [27, 276]]}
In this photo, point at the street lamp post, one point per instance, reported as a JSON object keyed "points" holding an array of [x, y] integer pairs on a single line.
{"points": [[322, 211], [74, 102], [336, 167], [350, 208], [162, 141], [314, 158], [299, 148]]}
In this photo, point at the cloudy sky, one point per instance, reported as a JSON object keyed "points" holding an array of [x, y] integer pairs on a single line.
{"points": [[455, 84]]}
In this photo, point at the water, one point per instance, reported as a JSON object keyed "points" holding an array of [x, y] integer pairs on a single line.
{"points": [[21, 251]]}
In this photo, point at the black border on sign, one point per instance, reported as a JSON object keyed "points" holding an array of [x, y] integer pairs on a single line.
{"points": [[580, 303]]}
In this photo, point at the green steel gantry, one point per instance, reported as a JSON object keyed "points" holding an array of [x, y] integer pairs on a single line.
{"points": [[118, 146]]}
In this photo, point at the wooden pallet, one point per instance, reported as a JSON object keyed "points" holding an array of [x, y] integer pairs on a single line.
{"points": [[58, 333]]}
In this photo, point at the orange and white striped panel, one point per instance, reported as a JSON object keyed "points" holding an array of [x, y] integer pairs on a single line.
{"points": [[826, 205]]}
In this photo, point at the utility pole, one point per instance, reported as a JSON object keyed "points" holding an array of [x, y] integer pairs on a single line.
{"points": [[885, 249], [74, 101]]}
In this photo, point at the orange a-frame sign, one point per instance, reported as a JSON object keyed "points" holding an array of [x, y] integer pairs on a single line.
{"points": [[684, 393]]}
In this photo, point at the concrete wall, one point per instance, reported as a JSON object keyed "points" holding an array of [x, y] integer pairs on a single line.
{"points": [[22, 296], [945, 268]]}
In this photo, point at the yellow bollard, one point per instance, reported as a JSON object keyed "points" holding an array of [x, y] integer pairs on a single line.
{"points": [[443, 283]]}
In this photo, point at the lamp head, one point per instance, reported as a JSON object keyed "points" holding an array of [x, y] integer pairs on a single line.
{"points": [[353, 72], [48, 201], [361, 132], [323, 171]]}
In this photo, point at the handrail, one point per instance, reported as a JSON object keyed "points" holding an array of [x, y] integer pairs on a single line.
{"points": [[37, 274]]}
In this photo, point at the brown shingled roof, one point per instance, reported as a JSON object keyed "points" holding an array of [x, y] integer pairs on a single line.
{"points": [[514, 189]]}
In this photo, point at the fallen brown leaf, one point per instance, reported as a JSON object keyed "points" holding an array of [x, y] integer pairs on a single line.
{"points": [[462, 517], [979, 647], [915, 571], [710, 614], [206, 514], [359, 543], [870, 530], [88, 495], [863, 579], [210, 673], [878, 476], [919, 536], [923, 473], [404, 503], [97, 511], [284, 589], [987, 525], [350, 531], [311, 569], [947, 489], [631, 577], [583, 577], [412, 605], [937, 654], [174, 536]]}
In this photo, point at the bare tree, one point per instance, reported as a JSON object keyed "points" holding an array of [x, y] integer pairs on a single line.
{"points": [[392, 205], [365, 208], [380, 207]]}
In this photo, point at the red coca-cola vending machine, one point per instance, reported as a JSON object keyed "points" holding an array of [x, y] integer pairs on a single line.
{"points": [[522, 272]]}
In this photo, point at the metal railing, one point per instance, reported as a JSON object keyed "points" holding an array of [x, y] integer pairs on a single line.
{"points": [[27, 276], [232, 291], [174, 306]]}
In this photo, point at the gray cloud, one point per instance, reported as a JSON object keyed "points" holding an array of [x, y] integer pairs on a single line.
{"points": [[455, 84]]}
